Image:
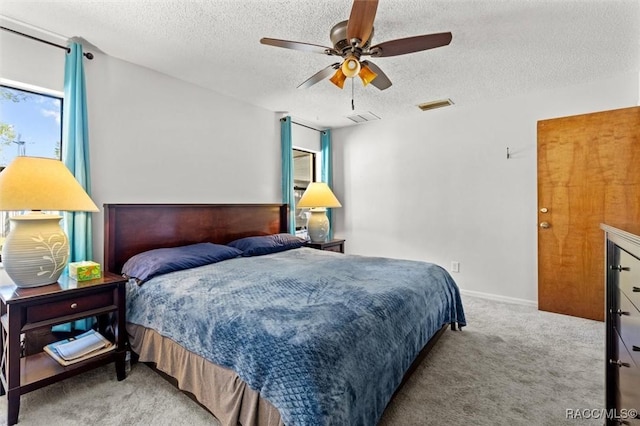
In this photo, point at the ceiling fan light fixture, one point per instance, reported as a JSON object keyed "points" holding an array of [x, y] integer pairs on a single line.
{"points": [[338, 78], [351, 66], [352, 39], [366, 75]]}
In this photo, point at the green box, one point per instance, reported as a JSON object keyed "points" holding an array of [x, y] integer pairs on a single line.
{"points": [[85, 270]]}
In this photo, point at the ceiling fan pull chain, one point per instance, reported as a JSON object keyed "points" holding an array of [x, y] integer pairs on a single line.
{"points": [[353, 105]]}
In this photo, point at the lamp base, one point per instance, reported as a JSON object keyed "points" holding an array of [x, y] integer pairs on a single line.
{"points": [[318, 225], [36, 250]]}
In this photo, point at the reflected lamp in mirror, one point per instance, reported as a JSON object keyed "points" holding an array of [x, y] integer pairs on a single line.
{"points": [[36, 250], [318, 197]]}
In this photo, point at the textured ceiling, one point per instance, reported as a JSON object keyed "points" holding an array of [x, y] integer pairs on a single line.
{"points": [[500, 48]]}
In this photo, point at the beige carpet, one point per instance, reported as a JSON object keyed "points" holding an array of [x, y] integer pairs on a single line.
{"points": [[513, 365]]}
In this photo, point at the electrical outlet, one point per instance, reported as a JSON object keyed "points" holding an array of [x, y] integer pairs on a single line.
{"points": [[455, 266]]}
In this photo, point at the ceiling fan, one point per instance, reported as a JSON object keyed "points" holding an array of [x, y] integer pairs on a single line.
{"points": [[352, 40]]}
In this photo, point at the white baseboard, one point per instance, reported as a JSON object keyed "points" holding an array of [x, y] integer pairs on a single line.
{"points": [[500, 298]]}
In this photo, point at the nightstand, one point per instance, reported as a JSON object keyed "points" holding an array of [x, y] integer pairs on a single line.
{"points": [[331, 245], [26, 309]]}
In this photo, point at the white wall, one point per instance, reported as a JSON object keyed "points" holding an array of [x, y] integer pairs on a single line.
{"points": [[305, 138], [155, 139], [30, 62], [439, 188]]}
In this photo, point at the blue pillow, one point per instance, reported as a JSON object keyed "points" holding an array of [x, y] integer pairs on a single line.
{"points": [[148, 264], [265, 244]]}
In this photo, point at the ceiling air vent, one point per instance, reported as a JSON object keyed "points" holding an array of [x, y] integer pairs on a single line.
{"points": [[435, 104], [365, 116]]}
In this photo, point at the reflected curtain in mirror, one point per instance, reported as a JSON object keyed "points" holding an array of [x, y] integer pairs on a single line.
{"points": [[288, 195]]}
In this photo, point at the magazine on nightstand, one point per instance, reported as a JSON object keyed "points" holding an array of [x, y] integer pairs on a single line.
{"points": [[79, 348]]}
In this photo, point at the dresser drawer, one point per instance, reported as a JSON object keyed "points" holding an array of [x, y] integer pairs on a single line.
{"points": [[629, 327], [630, 278], [628, 378], [70, 306]]}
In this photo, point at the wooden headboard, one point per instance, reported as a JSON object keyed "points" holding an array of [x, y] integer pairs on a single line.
{"points": [[130, 229]]}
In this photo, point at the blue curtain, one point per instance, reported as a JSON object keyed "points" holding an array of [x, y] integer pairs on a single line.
{"points": [[75, 155], [75, 151], [288, 196], [326, 173]]}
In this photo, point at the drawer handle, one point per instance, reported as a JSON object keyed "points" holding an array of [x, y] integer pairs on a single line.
{"points": [[619, 363], [636, 289], [620, 268], [636, 348], [74, 305], [621, 312]]}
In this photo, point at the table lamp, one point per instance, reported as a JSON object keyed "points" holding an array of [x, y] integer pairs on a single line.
{"points": [[317, 198], [37, 250]]}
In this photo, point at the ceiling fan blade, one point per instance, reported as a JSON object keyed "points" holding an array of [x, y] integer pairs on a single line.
{"points": [[319, 76], [403, 46], [296, 45], [360, 25], [381, 81]]}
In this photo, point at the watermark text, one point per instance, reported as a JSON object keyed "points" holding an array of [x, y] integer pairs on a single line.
{"points": [[601, 413]]}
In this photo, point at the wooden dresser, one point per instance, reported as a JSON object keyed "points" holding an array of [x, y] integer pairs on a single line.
{"points": [[622, 324]]}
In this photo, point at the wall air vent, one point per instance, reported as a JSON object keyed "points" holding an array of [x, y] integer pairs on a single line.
{"points": [[435, 104], [362, 117]]}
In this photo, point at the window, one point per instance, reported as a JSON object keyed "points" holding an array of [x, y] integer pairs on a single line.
{"points": [[30, 124], [304, 172]]}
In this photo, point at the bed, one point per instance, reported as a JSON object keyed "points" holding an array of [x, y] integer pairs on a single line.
{"points": [[296, 336]]}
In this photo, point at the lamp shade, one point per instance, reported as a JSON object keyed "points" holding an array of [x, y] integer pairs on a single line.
{"points": [[34, 183], [367, 75], [318, 194], [338, 78]]}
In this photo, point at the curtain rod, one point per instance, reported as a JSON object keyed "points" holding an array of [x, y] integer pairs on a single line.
{"points": [[304, 125], [308, 127], [88, 55]]}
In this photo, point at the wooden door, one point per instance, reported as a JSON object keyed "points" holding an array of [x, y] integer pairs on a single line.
{"points": [[588, 174]]}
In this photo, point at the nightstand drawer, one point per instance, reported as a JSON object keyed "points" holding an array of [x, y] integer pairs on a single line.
{"points": [[69, 306]]}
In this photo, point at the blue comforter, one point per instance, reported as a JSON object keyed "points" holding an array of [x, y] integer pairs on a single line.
{"points": [[325, 337]]}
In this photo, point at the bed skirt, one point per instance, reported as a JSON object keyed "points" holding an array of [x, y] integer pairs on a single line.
{"points": [[218, 389]]}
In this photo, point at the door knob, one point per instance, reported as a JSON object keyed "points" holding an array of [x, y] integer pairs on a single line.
{"points": [[544, 210], [544, 225]]}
